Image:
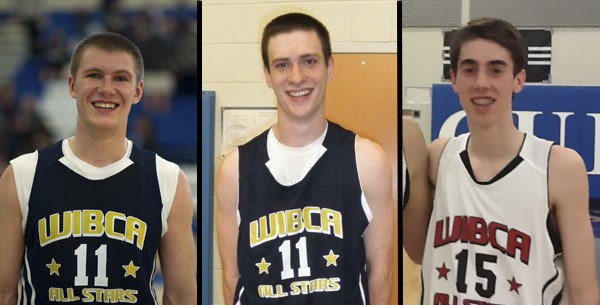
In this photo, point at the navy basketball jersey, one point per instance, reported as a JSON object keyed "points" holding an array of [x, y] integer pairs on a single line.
{"points": [[302, 244], [493, 242], [92, 234]]}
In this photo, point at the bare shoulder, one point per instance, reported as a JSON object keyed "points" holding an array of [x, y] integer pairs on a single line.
{"points": [[227, 181], [435, 151], [413, 145], [370, 155], [410, 129], [8, 189], [567, 176], [565, 159], [229, 167]]}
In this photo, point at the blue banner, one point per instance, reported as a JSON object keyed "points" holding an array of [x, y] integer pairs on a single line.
{"points": [[567, 115]]}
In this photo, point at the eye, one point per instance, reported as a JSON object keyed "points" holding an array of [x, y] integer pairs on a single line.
{"points": [[93, 75], [468, 70], [311, 61], [281, 65], [121, 78]]}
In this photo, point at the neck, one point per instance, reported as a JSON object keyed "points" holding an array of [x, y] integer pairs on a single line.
{"points": [[298, 134], [496, 142], [98, 150]]}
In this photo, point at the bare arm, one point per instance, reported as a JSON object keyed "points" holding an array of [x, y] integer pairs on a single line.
{"points": [[568, 189], [226, 218], [435, 152], [176, 252], [376, 180], [415, 215], [12, 242]]}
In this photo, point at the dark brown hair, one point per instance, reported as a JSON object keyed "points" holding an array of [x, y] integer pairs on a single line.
{"points": [[291, 22], [496, 30]]}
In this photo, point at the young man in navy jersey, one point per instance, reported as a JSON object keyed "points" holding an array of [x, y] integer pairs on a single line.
{"points": [[304, 210], [83, 220]]}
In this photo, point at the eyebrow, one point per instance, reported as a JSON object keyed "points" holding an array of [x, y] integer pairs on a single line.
{"points": [[495, 62], [101, 71], [303, 56]]}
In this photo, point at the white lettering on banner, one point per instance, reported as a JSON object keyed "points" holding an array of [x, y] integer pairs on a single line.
{"points": [[526, 123], [596, 169], [448, 129], [563, 119]]}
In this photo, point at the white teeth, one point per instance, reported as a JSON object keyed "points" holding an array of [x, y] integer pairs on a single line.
{"points": [[482, 101], [105, 105], [299, 93]]}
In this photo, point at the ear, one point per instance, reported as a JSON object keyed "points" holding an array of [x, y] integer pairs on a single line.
{"points": [[267, 77], [138, 92], [453, 80], [72, 87], [330, 68], [519, 81]]}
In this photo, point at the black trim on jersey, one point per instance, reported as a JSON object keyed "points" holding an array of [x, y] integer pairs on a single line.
{"points": [[406, 190], [422, 290], [551, 227], [554, 235], [464, 156], [558, 296]]}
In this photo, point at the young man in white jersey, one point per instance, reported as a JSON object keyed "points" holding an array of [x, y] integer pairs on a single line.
{"points": [[416, 205], [303, 210], [510, 221]]}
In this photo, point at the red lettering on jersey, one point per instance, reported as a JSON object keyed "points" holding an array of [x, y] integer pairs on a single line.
{"points": [[521, 241], [475, 230], [445, 299]]}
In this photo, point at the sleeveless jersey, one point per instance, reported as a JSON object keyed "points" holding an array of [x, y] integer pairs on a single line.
{"points": [[302, 244], [493, 242], [92, 234]]}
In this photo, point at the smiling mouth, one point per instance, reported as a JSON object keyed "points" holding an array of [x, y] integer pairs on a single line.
{"points": [[300, 93], [483, 101], [105, 105]]}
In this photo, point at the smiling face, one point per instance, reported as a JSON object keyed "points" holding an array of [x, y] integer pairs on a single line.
{"points": [[485, 83], [105, 87], [298, 74]]}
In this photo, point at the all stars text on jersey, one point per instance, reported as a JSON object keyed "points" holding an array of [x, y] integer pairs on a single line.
{"points": [[300, 287], [91, 223], [475, 230], [98, 295], [291, 222]]}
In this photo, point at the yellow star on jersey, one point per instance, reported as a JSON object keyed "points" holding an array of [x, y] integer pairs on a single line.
{"points": [[263, 266], [130, 269], [331, 258], [53, 267]]}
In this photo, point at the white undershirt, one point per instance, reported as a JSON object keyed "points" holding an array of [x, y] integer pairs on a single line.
{"points": [[289, 165]]}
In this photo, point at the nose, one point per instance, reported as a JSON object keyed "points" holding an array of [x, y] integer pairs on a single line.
{"points": [[482, 81], [296, 74], [106, 86]]}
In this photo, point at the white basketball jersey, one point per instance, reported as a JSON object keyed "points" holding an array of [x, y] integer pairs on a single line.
{"points": [[490, 242]]}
